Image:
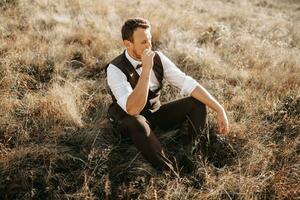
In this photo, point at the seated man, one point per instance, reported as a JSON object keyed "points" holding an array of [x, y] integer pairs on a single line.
{"points": [[135, 81]]}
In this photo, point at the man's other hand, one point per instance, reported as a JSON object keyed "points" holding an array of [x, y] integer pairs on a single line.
{"points": [[222, 121]]}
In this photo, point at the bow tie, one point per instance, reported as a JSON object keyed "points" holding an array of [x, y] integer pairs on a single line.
{"points": [[138, 66]]}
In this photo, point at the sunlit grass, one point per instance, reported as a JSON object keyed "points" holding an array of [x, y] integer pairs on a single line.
{"points": [[55, 140]]}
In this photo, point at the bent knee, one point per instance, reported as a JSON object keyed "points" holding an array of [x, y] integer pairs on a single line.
{"points": [[137, 122], [198, 105]]}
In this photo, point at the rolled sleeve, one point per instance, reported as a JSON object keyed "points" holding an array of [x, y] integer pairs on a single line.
{"points": [[118, 85], [176, 77], [189, 85]]}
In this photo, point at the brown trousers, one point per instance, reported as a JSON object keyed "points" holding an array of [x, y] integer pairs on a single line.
{"points": [[141, 128]]}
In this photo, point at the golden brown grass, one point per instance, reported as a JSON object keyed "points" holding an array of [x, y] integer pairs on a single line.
{"points": [[55, 142]]}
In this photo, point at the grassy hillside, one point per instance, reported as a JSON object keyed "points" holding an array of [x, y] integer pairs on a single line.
{"points": [[55, 142]]}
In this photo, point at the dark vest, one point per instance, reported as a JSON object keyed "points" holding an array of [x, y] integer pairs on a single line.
{"points": [[115, 112]]}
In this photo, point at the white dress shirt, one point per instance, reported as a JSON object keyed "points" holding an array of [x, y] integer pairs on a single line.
{"points": [[121, 88]]}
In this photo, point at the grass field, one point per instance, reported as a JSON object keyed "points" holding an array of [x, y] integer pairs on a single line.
{"points": [[55, 142]]}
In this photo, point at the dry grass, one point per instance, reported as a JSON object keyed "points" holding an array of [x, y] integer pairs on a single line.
{"points": [[55, 142]]}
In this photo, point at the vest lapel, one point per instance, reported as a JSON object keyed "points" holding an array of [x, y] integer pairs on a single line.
{"points": [[133, 75]]}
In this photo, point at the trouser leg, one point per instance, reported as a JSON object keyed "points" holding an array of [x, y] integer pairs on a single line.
{"points": [[143, 137], [174, 113]]}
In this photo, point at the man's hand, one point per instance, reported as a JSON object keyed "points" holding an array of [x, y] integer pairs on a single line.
{"points": [[203, 95], [222, 121], [147, 59]]}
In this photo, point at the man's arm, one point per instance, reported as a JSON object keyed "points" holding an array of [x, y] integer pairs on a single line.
{"points": [[137, 99], [191, 87], [201, 94]]}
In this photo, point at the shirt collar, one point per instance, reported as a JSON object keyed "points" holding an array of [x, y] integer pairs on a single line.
{"points": [[132, 60]]}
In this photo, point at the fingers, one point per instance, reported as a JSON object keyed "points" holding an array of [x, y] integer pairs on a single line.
{"points": [[145, 52], [147, 58], [223, 123], [148, 52], [226, 129], [223, 128]]}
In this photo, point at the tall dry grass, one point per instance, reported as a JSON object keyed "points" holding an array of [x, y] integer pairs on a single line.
{"points": [[55, 142]]}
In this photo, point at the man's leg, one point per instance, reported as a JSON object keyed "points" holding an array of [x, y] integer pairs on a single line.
{"points": [[176, 112], [138, 129]]}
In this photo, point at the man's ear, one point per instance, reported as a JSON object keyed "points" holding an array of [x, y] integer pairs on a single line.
{"points": [[127, 43]]}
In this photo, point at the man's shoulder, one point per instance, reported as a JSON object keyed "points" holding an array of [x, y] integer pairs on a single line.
{"points": [[114, 74], [160, 54], [159, 57], [117, 59], [115, 62]]}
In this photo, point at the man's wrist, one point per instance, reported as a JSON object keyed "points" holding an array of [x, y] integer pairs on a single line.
{"points": [[146, 69], [220, 109]]}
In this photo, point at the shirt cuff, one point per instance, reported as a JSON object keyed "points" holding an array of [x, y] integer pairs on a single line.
{"points": [[188, 86]]}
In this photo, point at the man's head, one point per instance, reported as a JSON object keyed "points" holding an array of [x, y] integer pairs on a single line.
{"points": [[136, 36]]}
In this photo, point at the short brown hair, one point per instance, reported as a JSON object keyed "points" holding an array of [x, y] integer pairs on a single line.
{"points": [[130, 25]]}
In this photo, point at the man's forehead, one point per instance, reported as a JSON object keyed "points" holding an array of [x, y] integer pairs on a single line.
{"points": [[141, 33]]}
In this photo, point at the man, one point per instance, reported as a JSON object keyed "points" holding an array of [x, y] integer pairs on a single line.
{"points": [[135, 80]]}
